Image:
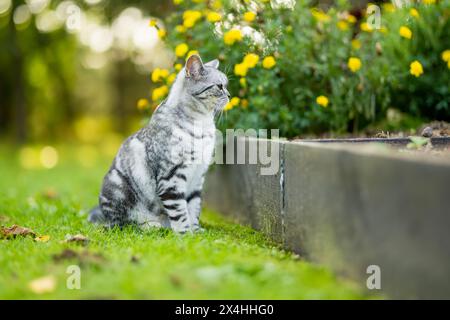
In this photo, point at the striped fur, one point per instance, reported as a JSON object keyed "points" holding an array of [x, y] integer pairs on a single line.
{"points": [[156, 178]]}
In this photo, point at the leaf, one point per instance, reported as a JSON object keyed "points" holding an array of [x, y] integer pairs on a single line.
{"points": [[175, 280], [15, 231], [83, 258], [419, 141], [43, 285], [78, 238], [44, 238], [66, 254], [50, 194]]}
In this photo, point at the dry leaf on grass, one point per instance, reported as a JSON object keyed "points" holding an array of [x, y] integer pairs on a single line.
{"points": [[83, 258], [175, 280], [78, 238], [44, 238], [43, 285], [50, 194], [66, 254], [15, 231]]}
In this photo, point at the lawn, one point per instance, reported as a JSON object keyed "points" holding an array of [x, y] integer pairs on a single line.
{"points": [[226, 261]]}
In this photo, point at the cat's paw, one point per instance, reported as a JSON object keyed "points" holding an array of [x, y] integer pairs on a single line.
{"points": [[181, 229], [198, 229], [190, 230], [150, 225]]}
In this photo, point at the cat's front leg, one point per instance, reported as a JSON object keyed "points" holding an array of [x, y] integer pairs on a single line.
{"points": [[175, 206], [178, 215], [194, 203]]}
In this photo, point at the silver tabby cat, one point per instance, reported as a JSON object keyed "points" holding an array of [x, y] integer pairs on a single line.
{"points": [[156, 179]]}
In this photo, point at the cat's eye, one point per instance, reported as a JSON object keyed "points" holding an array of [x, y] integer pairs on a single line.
{"points": [[220, 86]]}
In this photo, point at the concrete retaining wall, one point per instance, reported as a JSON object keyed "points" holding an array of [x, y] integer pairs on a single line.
{"points": [[348, 207]]}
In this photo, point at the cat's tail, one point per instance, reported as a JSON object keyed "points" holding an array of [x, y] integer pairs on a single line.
{"points": [[96, 216]]}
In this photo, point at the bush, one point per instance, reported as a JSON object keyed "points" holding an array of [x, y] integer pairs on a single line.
{"points": [[304, 70], [426, 95]]}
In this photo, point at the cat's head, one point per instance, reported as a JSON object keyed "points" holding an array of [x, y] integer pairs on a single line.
{"points": [[205, 84]]}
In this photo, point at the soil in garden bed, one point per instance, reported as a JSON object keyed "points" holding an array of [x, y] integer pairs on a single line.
{"points": [[431, 140], [431, 129]]}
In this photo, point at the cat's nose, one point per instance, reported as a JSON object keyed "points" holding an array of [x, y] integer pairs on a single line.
{"points": [[227, 93]]}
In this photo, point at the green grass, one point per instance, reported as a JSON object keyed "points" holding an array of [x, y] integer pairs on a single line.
{"points": [[227, 261]]}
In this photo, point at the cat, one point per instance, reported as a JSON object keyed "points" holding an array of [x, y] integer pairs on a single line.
{"points": [[157, 176]]}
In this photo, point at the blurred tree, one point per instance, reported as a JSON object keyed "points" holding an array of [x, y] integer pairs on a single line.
{"points": [[40, 62], [18, 96]]}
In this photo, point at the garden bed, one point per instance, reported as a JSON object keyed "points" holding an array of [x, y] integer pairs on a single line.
{"points": [[348, 206], [436, 142]]}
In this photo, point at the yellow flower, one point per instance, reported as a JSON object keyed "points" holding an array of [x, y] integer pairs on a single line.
{"points": [[415, 68], [177, 2], [429, 1], [354, 64], [249, 16], [180, 29], [405, 32], [351, 18], [446, 55], [217, 4], [366, 27], [388, 7], [322, 101], [228, 106], [240, 69], [152, 23], [190, 53], [171, 78], [243, 82], [235, 101], [192, 14], [159, 74], [244, 103], [232, 36], [178, 66], [213, 17], [448, 64], [188, 23], [320, 15], [181, 49], [162, 33], [142, 104], [159, 93], [250, 60], [190, 17], [343, 25], [164, 73], [155, 75], [414, 13], [269, 62], [356, 44]]}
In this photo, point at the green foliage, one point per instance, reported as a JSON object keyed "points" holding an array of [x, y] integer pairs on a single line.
{"points": [[428, 95], [227, 261], [38, 72], [417, 142], [313, 51]]}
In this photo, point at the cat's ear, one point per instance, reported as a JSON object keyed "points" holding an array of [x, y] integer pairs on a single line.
{"points": [[213, 63], [194, 67]]}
